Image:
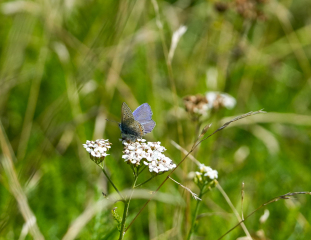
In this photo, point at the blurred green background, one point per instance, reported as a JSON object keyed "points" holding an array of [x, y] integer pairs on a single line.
{"points": [[66, 66]]}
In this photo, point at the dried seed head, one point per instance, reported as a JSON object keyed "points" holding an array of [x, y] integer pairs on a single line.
{"points": [[196, 105], [250, 9], [221, 7]]}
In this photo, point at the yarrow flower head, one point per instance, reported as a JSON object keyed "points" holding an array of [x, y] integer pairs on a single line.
{"points": [[196, 106], [218, 100], [205, 175], [200, 106], [149, 154], [97, 149]]}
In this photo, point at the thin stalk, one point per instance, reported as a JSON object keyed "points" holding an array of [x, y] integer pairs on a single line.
{"points": [[195, 213], [114, 186], [169, 67], [126, 209], [224, 194], [144, 182], [139, 172], [197, 133], [197, 130]]}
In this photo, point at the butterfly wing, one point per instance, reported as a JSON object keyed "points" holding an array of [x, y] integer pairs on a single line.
{"points": [[148, 126], [127, 115], [143, 112], [129, 126], [143, 115]]}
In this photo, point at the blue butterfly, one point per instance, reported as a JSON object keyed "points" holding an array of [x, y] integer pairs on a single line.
{"points": [[137, 124]]}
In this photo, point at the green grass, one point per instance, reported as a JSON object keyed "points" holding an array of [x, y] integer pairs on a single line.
{"points": [[65, 66]]}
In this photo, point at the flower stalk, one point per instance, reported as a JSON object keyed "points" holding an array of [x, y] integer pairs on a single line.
{"points": [[111, 182], [126, 208], [144, 182], [195, 213], [205, 179]]}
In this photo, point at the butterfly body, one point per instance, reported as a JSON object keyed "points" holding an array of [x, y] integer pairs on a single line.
{"points": [[137, 124]]}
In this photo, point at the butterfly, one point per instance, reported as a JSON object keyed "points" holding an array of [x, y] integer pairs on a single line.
{"points": [[137, 124]]}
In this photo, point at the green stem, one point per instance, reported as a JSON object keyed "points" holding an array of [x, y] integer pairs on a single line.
{"points": [[139, 172], [194, 217], [197, 130], [126, 209], [114, 186], [144, 182]]}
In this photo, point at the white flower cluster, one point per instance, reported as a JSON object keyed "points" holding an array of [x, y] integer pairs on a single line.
{"points": [[206, 172], [150, 153], [97, 149], [201, 106], [218, 99], [202, 110]]}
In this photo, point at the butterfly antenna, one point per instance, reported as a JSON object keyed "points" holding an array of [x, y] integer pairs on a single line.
{"points": [[111, 121]]}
